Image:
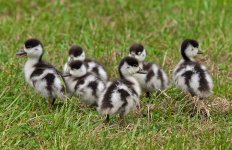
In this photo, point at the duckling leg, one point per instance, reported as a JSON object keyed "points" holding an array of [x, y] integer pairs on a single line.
{"points": [[51, 102], [122, 120], [158, 93], [201, 107], [94, 105], [107, 120], [148, 94], [204, 108], [139, 111]]}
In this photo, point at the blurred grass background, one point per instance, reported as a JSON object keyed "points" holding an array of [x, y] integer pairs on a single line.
{"points": [[106, 29]]}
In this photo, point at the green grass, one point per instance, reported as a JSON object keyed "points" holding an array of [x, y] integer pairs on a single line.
{"points": [[106, 29]]}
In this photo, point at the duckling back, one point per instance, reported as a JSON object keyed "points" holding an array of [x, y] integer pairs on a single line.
{"points": [[45, 79], [119, 97], [194, 78], [155, 79], [88, 88], [97, 69]]}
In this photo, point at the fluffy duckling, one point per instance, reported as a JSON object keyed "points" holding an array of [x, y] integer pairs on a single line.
{"points": [[84, 84], [77, 53], [155, 79], [42, 76], [121, 96], [190, 75]]}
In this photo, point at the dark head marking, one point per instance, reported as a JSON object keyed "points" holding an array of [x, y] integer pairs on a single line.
{"points": [[185, 44], [136, 48], [30, 43], [76, 64], [75, 50], [130, 61]]}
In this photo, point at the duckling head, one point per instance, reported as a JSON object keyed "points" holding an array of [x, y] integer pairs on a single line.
{"points": [[137, 51], [33, 48], [77, 68], [189, 49], [76, 53], [129, 66]]}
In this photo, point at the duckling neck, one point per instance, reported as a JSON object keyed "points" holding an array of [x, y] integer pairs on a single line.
{"points": [[141, 64], [186, 58], [120, 74], [29, 67], [33, 60], [135, 85], [81, 75], [131, 79], [128, 78]]}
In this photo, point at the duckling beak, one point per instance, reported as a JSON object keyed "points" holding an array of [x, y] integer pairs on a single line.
{"points": [[141, 71], [66, 75], [21, 53], [199, 52]]}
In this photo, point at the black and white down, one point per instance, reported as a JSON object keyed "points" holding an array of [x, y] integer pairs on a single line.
{"points": [[155, 79], [123, 95]]}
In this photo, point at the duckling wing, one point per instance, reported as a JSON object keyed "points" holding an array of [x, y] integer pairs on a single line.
{"points": [[194, 78], [96, 68], [44, 65], [147, 65]]}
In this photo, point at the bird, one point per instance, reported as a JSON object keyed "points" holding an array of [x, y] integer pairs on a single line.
{"points": [[155, 79], [85, 85], [77, 53], [40, 75], [123, 95], [191, 76]]}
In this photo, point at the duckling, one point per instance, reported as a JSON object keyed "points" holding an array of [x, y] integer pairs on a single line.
{"points": [[40, 75], [122, 96], [155, 79], [191, 76], [84, 84], [77, 53]]}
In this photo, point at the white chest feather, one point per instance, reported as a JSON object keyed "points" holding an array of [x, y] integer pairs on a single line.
{"points": [[28, 69], [66, 68], [70, 84]]}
